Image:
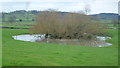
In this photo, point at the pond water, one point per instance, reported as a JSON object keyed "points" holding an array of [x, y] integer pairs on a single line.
{"points": [[30, 38], [98, 42]]}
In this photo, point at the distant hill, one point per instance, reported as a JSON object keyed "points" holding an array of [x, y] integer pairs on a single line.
{"points": [[20, 15], [29, 16], [106, 16]]}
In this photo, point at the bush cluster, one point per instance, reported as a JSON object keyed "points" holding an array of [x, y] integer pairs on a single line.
{"points": [[67, 25]]}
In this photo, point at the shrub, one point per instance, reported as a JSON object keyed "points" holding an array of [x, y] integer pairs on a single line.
{"points": [[67, 25]]}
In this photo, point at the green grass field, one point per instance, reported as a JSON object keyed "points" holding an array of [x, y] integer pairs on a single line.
{"points": [[21, 53], [114, 34], [17, 24], [0, 47]]}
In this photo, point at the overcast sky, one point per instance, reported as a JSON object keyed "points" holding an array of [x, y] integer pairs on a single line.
{"points": [[96, 6]]}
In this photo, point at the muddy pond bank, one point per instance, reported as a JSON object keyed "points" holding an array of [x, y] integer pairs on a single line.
{"points": [[97, 42]]}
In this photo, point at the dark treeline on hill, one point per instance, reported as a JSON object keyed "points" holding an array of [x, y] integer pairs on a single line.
{"points": [[106, 16], [29, 16]]}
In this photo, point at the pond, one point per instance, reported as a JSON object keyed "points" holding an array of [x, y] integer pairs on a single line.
{"points": [[98, 42], [30, 38]]}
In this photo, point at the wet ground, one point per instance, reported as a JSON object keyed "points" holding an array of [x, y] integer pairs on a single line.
{"points": [[96, 42]]}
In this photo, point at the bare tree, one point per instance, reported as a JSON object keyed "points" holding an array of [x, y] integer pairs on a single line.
{"points": [[115, 22], [87, 9], [11, 19], [69, 25]]}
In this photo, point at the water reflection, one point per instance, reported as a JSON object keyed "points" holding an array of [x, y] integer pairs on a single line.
{"points": [[98, 42], [31, 38]]}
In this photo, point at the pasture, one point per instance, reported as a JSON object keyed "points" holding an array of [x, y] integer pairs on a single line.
{"points": [[21, 53]]}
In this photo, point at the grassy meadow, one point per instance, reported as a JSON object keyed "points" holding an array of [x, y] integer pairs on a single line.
{"points": [[57, 24], [0, 47], [17, 24], [22, 53]]}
